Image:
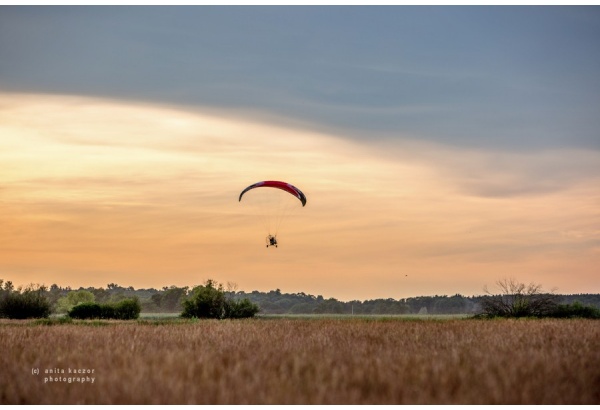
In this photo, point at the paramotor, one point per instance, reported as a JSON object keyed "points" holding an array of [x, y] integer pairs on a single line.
{"points": [[273, 205]]}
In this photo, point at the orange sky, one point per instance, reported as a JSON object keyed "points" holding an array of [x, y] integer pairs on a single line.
{"points": [[96, 191]]}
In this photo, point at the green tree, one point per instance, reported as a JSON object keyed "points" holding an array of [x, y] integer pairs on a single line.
{"points": [[100, 295], [330, 305], [127, 309], [450, 305], [205, 301], [240, 309], [24, 304], [74, 298], [209, 301], [302, 308], [55, 293], [170, 300]]}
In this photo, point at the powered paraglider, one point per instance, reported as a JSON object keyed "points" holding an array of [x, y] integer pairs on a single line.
{"points": [[273, 205]]}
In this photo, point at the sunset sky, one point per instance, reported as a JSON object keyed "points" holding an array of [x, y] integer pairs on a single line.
{"points": [[440, 148]]}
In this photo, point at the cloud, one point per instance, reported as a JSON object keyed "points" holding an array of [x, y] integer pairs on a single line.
{"points": [[98, 190], [498, 173], [516, 79]]}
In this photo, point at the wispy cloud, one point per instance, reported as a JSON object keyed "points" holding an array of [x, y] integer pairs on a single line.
{"points": [[95, 191]]}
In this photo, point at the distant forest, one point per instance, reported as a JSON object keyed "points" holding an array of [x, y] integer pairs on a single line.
{"points": [[168, 300]]}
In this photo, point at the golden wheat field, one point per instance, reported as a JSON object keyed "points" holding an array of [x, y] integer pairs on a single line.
{"points": [[302, 361]]}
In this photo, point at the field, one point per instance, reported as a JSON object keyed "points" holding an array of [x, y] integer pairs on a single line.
{"points": [[301, 361]]}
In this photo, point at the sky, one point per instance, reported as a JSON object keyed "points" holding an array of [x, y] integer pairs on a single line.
{"points": [[440, 148]]}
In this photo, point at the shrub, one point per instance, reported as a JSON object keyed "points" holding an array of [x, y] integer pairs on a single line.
{"points": [[206, 301], [239, 309], [576, 309], [28, 304], [126, 309], [518, 300], [86, 311], [210, 302], [107, 311]]}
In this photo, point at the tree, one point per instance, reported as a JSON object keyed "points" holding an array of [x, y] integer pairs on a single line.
{"points": [[452, 305], [74, 298], [127, 309], [24, 304], [518, 300], [330, 305], [171, 299], [8, 286], [302, 308], [209, 301], [55, 293], [101, 295], [239, 309], [205, 301]]}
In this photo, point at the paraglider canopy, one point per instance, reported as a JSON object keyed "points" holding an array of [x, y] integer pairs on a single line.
{"points": [[280, 185], [273, 205]]}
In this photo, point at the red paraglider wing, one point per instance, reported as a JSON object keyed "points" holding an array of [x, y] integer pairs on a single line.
{"points": [[278, 184]]}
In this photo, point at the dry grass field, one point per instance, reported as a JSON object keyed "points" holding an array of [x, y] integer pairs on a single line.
{"points": [[302, 361]]}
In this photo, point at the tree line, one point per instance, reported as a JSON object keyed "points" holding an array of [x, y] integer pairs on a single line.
{"points": [[173, 299], [209, 301]]}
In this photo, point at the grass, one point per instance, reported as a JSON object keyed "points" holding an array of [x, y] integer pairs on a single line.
{"points": [[159, 315], [299, 361], [364, 317]]}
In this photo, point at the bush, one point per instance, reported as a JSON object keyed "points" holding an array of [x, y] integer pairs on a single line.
{"points": [[28, 304], [126, 309], [107, 311], [206, 301], [210, 302], [518, 300], [576, 309], [86, 311], [239, 309]]}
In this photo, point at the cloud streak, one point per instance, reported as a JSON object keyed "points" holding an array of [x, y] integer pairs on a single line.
{"points": [[510, 78], [96, 191]]}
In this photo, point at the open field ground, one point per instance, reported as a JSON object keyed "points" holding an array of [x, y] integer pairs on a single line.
{"points": [[159, 316], [296, 361]]}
